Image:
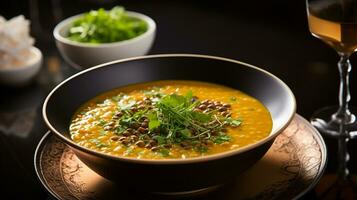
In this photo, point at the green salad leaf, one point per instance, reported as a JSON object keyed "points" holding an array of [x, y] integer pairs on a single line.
{"points": [[102, 26]]}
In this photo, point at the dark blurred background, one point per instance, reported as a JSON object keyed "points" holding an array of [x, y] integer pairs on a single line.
{"points": [[271, 34]]}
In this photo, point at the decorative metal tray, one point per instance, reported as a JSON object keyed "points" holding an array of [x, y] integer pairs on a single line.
{"points": [[291, 167]]}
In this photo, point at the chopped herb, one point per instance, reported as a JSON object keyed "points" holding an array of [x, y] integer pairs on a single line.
{"points": [[201, 117], [102, 122], [221, 139], [128, 151], [233, 98], [153, 92], [102, 26], [103, 133], [120, 129], [98, 143], [173, 119], [116, 98], [201, 149], [94, 140], [186, 133], [234, 122], [159, 139], [153, 121], [125, 106], [164, 152]]}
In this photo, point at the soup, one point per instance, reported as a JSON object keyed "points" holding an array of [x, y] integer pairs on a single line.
{"points": [[170, 119]]}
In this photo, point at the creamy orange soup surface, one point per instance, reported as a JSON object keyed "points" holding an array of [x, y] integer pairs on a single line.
{"points": [[170, 119]]}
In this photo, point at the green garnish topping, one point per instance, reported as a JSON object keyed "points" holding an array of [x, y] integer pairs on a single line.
{"points": [[103, 133], [186, 133], [120, 129], [164, 152], [154, 92], [98, 143], [233, 122], [221, 138], [162, 120], [102, 122], [128, 151], [116, 98], [160, 139], [201, 149], [153, 121], [101, 26]]}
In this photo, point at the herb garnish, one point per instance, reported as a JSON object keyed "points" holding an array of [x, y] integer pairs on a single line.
{"points": [[159, 121], [98, 143]]}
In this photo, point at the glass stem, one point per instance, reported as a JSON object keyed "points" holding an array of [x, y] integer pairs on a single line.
{"points": [[343, 156], [343, 115]]}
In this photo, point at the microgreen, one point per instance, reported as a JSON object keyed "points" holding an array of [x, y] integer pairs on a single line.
{"points": [[233, 122], [153, 121], [128, 151], [174, 119], [120, 129], [98, 143], [221, 139], [201, 149], [164, 152], [102, 122], [159, 139], [103, 133]]}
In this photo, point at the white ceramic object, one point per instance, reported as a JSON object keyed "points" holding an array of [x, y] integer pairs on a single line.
{"points": [[21, 75], [85, 55]]}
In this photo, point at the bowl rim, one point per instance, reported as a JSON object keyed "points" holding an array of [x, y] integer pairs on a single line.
{"points": [[150, 22], [172, 160], [34, 62]]}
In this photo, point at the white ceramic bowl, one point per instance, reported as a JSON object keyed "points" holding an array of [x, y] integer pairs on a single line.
{"points": [[21, 75], [85, 55]]}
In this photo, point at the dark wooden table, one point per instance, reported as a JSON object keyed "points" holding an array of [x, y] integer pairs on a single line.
{"points": [[270, 34]]}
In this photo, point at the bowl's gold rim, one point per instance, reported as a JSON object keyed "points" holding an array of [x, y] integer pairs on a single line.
{"points": [[172, 161]]}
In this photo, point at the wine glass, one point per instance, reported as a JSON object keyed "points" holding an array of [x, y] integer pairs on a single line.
{"points": [[335, 23]]}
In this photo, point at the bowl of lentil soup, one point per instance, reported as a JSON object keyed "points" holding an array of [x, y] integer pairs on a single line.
{"points": [[164, 118]]}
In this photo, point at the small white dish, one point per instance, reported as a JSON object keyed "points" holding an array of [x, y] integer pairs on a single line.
{"points": [[85, 55], [21, 75]]}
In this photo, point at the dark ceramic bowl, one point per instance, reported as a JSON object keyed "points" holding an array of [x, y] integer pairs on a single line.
{"points": [[170, 175]]}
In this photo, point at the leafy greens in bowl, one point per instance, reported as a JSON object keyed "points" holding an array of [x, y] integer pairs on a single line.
{"points": [[87, 39], [102, 26]]}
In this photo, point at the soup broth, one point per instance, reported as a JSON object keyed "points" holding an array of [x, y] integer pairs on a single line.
{"points": [[170, 119]]}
